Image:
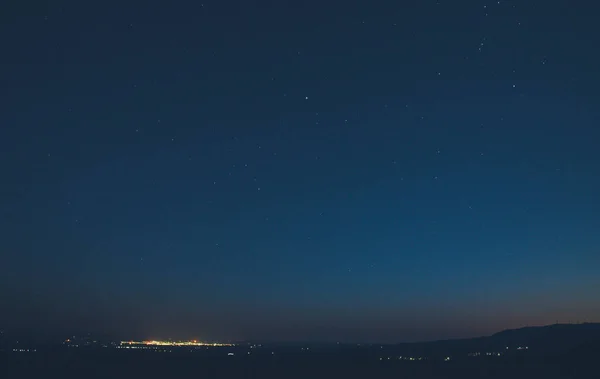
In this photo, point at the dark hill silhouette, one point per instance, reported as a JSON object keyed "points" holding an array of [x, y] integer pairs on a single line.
{"points": [[548, 340], [586, 352], [552, 338], [580, 361]]}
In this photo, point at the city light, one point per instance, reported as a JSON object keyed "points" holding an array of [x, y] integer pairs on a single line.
{"points": [[174, 343]]}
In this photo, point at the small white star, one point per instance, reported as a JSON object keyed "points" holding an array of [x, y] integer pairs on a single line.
{"points": [[305, 97]]}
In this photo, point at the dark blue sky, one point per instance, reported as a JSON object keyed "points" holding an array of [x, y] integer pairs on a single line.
{"points": [[352, 171]]}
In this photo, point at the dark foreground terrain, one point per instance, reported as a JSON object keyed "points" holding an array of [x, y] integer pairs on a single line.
{"points": [[69, 364], [552, 352]]}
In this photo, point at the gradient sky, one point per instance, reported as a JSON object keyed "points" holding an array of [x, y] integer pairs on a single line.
{"points": [[298, 170]]}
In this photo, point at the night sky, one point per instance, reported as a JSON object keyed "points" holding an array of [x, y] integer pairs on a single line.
{"points": [[298, 170]]}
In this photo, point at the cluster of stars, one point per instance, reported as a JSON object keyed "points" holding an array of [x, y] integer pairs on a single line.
{"points": [[483, 43]]}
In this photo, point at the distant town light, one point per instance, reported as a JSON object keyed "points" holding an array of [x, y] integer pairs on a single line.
{"points": [[173, 343]]}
